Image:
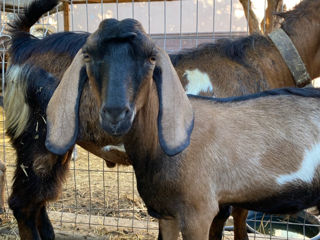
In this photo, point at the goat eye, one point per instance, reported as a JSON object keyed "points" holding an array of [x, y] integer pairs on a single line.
{"points": [[152, 60], [86, 57]]}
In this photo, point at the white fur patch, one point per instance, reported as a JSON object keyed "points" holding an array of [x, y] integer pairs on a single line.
{"points": [[197, 82], [14, 73], [114, 147], [17, 111], [308, 167]]}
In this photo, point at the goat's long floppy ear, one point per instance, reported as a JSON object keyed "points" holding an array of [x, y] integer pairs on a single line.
{"points": [[175, 119], [63, 108]]}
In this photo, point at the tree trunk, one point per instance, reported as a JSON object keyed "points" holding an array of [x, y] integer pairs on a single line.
{"points": [[270, 21], [250, 16]]}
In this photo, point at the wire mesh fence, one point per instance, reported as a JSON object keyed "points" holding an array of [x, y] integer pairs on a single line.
{"points": [[94, 195]]}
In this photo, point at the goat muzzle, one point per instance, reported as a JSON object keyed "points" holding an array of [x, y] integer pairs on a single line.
{"points": [[116, 121]]}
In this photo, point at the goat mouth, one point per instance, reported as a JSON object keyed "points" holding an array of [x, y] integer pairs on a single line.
{"points": [[116, 129]]}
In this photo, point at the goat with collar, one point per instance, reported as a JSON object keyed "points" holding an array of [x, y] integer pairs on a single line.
{"points": [[184, 150]]}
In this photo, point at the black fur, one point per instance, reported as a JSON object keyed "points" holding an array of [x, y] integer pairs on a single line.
{"points": [[24, 45], [295, 199], [235, 50], [40, 87], [114, 30], [302, 92], [31, 189], [31, 14]]}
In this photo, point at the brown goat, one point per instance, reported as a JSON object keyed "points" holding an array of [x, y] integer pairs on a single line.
{"points": [[184, 152], [51, 56], [250, 65], [253, 64]]}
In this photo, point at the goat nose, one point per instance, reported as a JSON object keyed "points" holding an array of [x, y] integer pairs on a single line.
{"points": [[115, 114]]}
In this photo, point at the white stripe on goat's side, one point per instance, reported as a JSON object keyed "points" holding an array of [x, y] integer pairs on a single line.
{"points": [[308, 167], [197, 82]]}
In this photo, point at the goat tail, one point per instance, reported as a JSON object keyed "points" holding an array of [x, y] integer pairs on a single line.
{"points": [[31, 14], [16, 108]]}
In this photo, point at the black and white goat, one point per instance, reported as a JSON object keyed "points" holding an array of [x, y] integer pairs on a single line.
{"points": [[193, 155]]}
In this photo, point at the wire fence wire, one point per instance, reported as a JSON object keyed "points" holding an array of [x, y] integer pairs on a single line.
{"points": [[93, 194]]}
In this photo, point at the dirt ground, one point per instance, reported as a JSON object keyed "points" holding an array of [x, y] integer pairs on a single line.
{"points": [[9, 231]]}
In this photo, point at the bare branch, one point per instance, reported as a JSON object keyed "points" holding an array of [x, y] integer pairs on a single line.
{"points": [[251, 16], [270, 21]]}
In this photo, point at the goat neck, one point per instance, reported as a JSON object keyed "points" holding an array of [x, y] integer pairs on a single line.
{"points": [[145, 124], [302, 24]]}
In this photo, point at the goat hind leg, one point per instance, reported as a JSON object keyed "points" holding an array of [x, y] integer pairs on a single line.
{"points": [[217, 225], [239, 222]]}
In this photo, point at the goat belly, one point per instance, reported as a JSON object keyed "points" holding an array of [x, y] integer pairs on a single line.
{"points": [[291, 200]]}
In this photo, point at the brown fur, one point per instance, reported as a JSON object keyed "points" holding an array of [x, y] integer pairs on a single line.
{"points": [[261, 66], [186, 190], [58, 62], [240, 217], [43, 163], [265, 125]]}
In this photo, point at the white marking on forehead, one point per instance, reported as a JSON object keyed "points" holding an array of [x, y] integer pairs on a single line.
{"points": [[197, 82], [311, 161]]}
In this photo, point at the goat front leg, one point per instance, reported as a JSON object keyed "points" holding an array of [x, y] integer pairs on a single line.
{"points": [[2, 186], [217, 225], [44, 225], [26, 218], [168, 229], [195, 224], [38, 179], [239, 222], [34, 223]]}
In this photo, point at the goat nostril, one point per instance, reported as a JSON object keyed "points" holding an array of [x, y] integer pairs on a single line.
{"points": [[124, 113], [115, 115]]}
